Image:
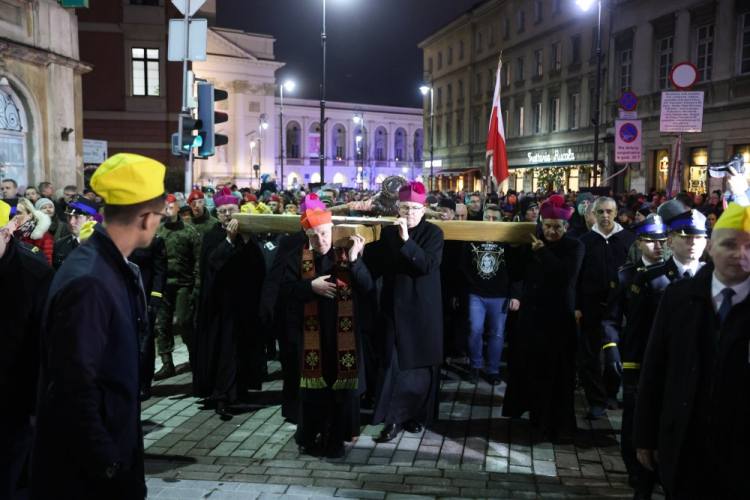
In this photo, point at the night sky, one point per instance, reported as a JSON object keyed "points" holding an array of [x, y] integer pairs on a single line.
{"points": [[371, 50]]}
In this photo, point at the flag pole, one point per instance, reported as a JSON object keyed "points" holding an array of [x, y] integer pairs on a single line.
{"points": [[487, 180]]}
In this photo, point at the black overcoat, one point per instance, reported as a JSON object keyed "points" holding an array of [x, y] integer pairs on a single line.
{"points": [[410, 300], [687, 350], [88, 412]]}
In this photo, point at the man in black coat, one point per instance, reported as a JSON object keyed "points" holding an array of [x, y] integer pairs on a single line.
{"points": [[541, 365], [408, 257], [607, 246], [80, 210], [89, 441], [693, 404], [26, 276]]}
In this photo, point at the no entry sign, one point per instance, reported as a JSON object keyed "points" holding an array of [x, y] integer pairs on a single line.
{"points": [[684, 75], [628, 141]]}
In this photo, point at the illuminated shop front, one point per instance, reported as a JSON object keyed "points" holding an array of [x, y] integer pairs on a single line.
{"points": [[698, 162], [548, 169]]}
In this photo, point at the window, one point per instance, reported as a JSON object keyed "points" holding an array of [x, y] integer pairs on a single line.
{"points": [[439, 138], [459, 132], [521, 21], [475, 133], [574, 111], [429, 64], [520, 70], [339, 152], [145, 71], [478, 84], [493, 34], [480, 41], [626, 62], [506, 28], [557, 6], [399, 154], [556, 56], [745, 44], [538, 63], [705, 51], [519, 121], [440, 97], [506, 74], [575, 49], [450, 55], [449, 97], [538, 6], [460, 49], [537, 117], [440, 60], [380, 152], [665, 51], [461, 90], [554, 114], [448, 132], [491, 75], [505, 119]]}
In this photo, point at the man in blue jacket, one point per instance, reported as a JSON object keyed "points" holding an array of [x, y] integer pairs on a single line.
{"points": [[89, 442]]}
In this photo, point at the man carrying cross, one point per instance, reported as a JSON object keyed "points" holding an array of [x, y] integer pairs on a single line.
{"points": [[321, 285]]}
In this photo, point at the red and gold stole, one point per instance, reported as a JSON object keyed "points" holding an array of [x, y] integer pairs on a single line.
{"points": [[312, 355]]}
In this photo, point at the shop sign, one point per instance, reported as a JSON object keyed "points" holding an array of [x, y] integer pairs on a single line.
{"points": [[537, 158]]}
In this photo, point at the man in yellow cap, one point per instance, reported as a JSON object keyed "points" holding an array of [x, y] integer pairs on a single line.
{"points": [[89, 443], [25, 277], [693, 401]]}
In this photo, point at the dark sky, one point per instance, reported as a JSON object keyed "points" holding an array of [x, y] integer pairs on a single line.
{"points": [[371, 50]]}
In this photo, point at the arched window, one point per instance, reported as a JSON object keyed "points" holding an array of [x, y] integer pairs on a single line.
{"points": [[338, 142], [13, 129], [339, 178], [293, 138], [379, 179], [292, 180], [399, 145], [381, 144], [359, 141], [418, 145], [315, 178], [313, 134]]}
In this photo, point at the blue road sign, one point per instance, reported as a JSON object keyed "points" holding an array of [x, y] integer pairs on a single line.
{"points": [[628, 132], [628, 101]]}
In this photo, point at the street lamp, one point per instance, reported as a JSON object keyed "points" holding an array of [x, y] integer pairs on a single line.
{"points": [[585, 5], [428, 79], [289, 85], [359, 117]]}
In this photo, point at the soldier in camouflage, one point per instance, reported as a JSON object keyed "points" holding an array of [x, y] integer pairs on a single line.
{"points": [[183, 282], [202, 220]]}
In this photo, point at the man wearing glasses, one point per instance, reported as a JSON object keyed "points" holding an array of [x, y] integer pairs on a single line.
{"points": [[183, 283]]}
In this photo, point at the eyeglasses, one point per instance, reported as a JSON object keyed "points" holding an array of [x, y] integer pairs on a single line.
{"points": [[228, 211], [164, 217], [407, 209]]}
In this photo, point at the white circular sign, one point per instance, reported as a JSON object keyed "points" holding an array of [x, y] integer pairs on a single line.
{"points": [[684, 75]]}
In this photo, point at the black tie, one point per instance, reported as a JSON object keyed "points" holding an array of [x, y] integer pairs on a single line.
{"points": [[726, 304], [687, 274]]}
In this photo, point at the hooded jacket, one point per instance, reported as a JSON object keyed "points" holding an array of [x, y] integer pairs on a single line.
{"points": [[40, 237]]}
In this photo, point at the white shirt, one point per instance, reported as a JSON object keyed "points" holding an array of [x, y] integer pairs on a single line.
{"points": [[692, 267], [616, 230], [741, 291]]}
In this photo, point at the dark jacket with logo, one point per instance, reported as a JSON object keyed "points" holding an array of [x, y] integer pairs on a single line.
{"points": [[485, 271], [88, 412]]}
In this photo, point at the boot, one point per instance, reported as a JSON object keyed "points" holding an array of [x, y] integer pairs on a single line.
{"points": [[167, 370]]}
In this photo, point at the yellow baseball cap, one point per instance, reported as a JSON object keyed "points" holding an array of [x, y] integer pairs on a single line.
{"points": [[734, 217], [4, 213], [127, 179], [87, 230]]}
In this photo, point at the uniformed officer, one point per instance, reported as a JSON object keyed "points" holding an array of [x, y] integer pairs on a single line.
{"points": [[202, 220], [26, 275], [88, 442], [652, 236], [80, 210], [183, 245], [687, 239]]}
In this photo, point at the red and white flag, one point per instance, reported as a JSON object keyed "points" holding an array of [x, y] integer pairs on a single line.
{"points": [[496, 139]]}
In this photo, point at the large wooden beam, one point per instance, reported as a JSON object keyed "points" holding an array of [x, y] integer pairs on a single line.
{"points": [[267, 223], [505, 232]]}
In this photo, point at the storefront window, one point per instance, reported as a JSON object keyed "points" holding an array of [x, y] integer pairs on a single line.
{"points": [[697, 174], [743, 150], [661, 165]]}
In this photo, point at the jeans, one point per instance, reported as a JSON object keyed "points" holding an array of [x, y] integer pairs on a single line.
{"points": [[494, 310]]}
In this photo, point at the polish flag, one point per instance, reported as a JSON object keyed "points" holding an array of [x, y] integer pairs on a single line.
{"points": [[496, 139]]}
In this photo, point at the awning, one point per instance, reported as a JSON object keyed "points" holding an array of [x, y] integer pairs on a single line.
{"points": [[574, 163]]}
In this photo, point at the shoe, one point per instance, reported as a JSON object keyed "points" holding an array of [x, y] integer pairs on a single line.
{"points": [[613, 404], [493, 378], [335, 451], [551, 435], [166, 371], [473, 375], [145, 395], [413, 426], [312, 450], [596, 412], [222, 409], [389, 433]]}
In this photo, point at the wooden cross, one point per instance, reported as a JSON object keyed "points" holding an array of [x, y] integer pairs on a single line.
{"points": [[370, 227]]}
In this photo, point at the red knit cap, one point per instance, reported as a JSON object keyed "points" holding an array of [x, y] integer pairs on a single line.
{"points": [[195, 195], [314, 218], [555, 208]]}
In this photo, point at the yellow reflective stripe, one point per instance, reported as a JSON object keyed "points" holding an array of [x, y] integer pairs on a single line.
{"points": [[156, 294], [609, 345], [631, 366]]}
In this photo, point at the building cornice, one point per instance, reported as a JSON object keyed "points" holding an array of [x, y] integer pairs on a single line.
{"points": [[40, 57]]}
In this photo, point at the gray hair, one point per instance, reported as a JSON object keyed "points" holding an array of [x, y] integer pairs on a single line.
{"points": [[601, 200]]}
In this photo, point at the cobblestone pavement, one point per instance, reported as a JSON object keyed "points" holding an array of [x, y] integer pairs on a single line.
{"points": [[470, 452]]}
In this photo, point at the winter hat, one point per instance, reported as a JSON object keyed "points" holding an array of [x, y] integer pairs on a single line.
{"points": [[555, 208], [225, 197], [195, 195], [430, 200], [526, 204], [583, 197], [670, 209], [185, 209], [311, 202], [413, 192], [447, 203], [41, 202]]}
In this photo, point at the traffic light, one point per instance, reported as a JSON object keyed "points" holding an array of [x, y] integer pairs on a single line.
{"points": [[182, 144], [208, 118]]}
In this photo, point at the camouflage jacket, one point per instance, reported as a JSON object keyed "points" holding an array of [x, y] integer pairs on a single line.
{"points": [[183, 253], [203, 223]]}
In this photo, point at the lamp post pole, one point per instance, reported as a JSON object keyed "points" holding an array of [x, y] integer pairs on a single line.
{"points": [[281, 135], [322, 150], [428, 78], [598, 89], [359, 118], [263, 124]]}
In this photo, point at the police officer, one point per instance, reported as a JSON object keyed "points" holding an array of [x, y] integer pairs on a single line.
{"points": [[183, 245], [89, 441], [687, 239], [26, 276], [80, 210], [652, 236]]}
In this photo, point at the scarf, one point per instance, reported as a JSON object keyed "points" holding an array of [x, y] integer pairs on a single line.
{"points": [[312, 356], [26, 230]]}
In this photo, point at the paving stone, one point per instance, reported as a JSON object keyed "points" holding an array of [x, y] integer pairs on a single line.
{"points": [[417, 471], [435, 481], [388, 487], [437, 490], [544, 468], [403, 457], [384, 450], [358, 456], [283, 471], [361, 494], [388, 469]]}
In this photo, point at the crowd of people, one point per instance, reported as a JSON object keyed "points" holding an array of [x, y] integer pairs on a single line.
{"points": [[639, 295]]}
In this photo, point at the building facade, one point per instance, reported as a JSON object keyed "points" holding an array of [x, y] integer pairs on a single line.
{"points": [[41, 119], [548, 82]]}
